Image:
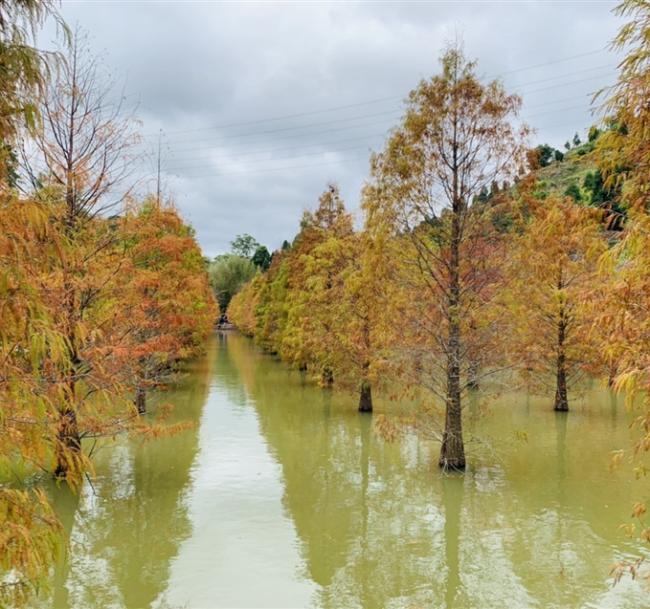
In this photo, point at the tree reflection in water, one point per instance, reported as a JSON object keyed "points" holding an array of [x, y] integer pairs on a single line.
{"points": [[125, 528], [280, 473], [381, 527]]}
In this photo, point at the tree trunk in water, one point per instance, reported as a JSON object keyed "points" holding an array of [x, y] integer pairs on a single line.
{"points": [[141, 399], [452, 451], [472, 374], [327, 377], [68, 441], [365, 397], [561, 399], [611, 377]]}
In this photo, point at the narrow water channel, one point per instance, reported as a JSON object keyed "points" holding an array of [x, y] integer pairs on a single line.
{"points": [[280, 495]]}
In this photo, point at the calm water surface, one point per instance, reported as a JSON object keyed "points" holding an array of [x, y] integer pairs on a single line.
{"points": [[280, 495]]}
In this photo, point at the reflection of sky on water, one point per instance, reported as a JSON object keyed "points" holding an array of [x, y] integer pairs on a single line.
{"points": [[243, 550]]}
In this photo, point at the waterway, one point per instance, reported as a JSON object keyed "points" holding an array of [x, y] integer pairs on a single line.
{"points": [[279, 494]]}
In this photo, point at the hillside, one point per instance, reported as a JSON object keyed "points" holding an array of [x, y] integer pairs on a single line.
{"points": [[560, 176], [575, 173]]}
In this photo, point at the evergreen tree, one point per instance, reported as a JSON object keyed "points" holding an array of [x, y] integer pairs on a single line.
{"points": [[574, 192], [261, 258]]}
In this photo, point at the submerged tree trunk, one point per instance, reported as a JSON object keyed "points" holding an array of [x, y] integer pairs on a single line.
{"points": [[68, 438], [472, 374], [561, 399], [452, 451], [68, 442], [141, 399], [327, 377], [365, 397], [611, 376]]}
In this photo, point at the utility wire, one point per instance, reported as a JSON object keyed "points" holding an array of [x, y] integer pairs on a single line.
{"points": [[394, 117], [245, 153], [239, 154], [352, 119], [212, 162], [341, 161], [373, 101], [241, 173], [320, 145], [281, 158]]}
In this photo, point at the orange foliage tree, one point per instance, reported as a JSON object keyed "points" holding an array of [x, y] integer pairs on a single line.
{"points": [[314, 288], [169, 308], [552, 272], [456, 139], [29, 531], [318, 304], [624, 158], [243, 306], [29, 538]]}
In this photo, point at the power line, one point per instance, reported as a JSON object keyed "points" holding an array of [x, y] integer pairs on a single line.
{"points": [[290, 168], [340, 160], [563, 84], [248, 153], [285, 158], [211, 162], [266, 150], [189, 163], [385, 113], [295, 167], [374, 101], [554, 62], [301, 135], [290, 128], [279, 118], [353, 119], [566, 75], [288, 149]]}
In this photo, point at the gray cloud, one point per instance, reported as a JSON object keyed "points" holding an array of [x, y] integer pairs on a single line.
{"points": [[195, 68]]}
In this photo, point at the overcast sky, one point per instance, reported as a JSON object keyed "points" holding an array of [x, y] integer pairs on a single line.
{"points": [[262, 104]]}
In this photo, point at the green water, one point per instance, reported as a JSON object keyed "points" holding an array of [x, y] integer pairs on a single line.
{"points": [[280, 495]]}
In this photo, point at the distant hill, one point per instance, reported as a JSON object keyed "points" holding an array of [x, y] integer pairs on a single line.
{"points": [[561, 176], [574, 173]]}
